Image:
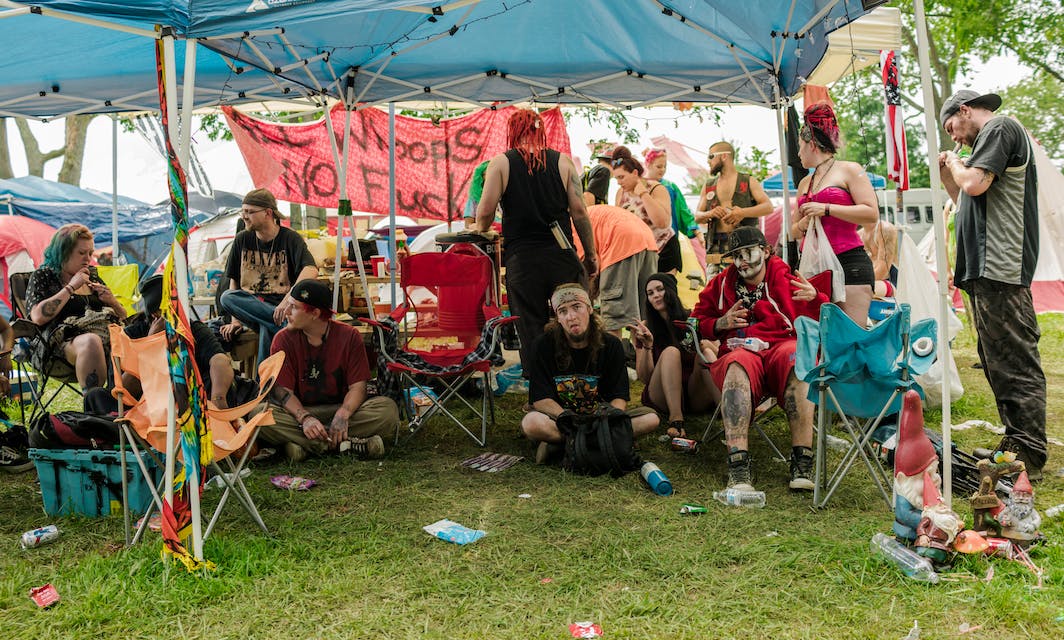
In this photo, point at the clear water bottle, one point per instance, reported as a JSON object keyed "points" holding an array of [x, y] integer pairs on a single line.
{"points": [[655, 479], [915, 566], [1053, 512], [740, 498]]}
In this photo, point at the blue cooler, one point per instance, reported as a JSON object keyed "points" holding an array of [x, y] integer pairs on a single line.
{"points": [[88, 482], [23, 386]]}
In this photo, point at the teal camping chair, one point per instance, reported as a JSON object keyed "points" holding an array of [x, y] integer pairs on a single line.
{"points": [[860, 374]]}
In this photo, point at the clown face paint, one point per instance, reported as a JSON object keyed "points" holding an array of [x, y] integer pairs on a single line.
{"points": [[750, 261]]}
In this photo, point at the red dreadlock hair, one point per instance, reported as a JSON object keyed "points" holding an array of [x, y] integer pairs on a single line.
{"points": [[526, 134]]}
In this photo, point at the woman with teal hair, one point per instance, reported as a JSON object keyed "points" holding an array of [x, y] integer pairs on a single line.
{"points": [[73, 306]]}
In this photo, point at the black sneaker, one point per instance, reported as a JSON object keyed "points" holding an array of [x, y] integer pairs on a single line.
{"points": [[801, 469], [1032, 464], [13, 460], [739, 471]]}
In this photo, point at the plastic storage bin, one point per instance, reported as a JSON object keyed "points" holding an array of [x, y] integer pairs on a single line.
{"points": [[88, 482]]}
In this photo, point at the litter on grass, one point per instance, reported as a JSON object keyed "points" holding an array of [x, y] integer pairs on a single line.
{"points": [[44, 595], [453, 532], [585, 630], [292, 483], [491, 462]]}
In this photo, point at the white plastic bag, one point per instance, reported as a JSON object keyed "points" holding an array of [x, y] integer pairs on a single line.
{"points": [[818, 257]]}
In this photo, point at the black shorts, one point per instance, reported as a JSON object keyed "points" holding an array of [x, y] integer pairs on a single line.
{"points": [[857, 267]]}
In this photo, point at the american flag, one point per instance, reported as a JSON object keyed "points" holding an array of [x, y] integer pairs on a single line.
{"points": [[897, 156]]}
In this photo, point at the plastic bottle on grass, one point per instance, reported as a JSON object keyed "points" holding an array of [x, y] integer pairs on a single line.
{"points": [[1053, 512], [915, 566], [740, 498]]}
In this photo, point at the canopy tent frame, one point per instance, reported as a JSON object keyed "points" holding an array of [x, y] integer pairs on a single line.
{"points": [[764, 76]]}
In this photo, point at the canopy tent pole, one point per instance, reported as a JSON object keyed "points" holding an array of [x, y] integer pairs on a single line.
{"points": [[939, 224], [392, 195], [116, 252], [344, 211], [781, 116], [170, 83]]}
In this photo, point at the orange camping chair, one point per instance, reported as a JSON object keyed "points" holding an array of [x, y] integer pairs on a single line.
{"points": [[452, 338], [233, 434]]}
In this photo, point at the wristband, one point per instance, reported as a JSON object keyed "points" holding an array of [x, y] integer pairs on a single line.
{"points": [[69, 289], [827, 209], [303, 418]]}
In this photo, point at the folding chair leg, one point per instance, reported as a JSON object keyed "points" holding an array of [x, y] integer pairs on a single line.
{"points": [[235, 484], [820, 463], [157, 501], [825, 487]]}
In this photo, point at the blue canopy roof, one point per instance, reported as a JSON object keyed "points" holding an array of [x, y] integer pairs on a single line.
{"points": [[552, 51], [774, 183]]}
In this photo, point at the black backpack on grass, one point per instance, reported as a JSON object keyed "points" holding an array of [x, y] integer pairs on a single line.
{"points": [[599, 443], [73, 430]]}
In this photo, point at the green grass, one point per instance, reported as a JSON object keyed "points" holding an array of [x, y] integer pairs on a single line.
{"points": [[348, 559]]}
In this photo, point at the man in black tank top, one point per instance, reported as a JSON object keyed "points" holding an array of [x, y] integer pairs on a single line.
{"points": [[542, 200]]}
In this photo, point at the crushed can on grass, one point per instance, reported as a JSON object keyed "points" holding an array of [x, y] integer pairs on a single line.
{"points": [[684, 445], [693, 509], [585, 630], [44, 595], [38, 537]]}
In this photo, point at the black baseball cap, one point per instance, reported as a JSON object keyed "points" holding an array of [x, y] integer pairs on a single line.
{"points": [[743, 238], [313, 293], [151, 291], [989, 101]]}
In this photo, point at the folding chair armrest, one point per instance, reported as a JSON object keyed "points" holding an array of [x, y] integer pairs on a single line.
{"points": [[24, 328], [493, 329]]}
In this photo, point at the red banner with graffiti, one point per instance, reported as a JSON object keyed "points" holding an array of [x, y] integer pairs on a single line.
{"points": [[434, 162]]}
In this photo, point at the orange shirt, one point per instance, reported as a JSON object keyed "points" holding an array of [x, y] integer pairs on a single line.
{"points": [[618, 233]]}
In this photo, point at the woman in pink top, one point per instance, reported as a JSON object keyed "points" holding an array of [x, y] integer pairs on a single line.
{"points": [[841, 195]]}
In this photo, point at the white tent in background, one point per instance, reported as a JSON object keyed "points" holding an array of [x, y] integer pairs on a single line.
{"points": [[1048, 285], [857, 45]]}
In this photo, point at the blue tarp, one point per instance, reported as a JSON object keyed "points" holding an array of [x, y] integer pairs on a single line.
{"points": [[551, 51], [34, 188], [774, 183]]}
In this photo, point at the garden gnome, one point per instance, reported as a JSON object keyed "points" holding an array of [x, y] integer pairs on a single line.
{"points": [[913, 456], [938, 526], [1019, 520], [986, 506]]}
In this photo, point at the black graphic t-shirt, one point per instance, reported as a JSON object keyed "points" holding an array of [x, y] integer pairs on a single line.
{"points": [[268, 269], [583, 385]]}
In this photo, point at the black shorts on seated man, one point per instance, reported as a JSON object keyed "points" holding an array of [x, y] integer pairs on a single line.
{"points": [[576, 366], [321, 389]]}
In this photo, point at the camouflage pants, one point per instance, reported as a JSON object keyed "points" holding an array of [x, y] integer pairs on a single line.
{"points": [[1004, 320]]}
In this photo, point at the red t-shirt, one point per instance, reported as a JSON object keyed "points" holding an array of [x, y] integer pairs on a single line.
{"points": [[321, 375]]}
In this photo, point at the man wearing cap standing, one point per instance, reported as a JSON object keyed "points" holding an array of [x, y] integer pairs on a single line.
{"points": [[322, 385], [996, 192], [596, 181], [576, 366], [757, 296], [266, 259]]}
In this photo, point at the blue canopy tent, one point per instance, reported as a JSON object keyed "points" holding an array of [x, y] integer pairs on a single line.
{"points": [[775, 184], [34, 188], [95, 56]]}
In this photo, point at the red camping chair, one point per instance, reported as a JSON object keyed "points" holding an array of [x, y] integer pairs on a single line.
{"points": [[453, 321]]}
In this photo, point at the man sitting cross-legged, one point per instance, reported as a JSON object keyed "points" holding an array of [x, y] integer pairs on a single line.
{"points": [[758, 297], [576, 366], [322, 385]]}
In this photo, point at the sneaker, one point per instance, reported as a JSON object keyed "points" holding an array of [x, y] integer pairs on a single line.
{"points": [[13, 461], [546, 451], [294, 452], [371, 448], [739, 471], [1034, 471], [801, 469]]}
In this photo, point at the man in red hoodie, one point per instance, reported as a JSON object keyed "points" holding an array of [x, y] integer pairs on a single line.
{"points": [[750, 308]]}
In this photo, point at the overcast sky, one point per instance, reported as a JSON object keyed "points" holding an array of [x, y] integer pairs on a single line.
{"points": [[142, 172]]}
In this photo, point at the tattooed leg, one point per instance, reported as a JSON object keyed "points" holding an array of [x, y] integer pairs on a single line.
{"points": [[86, 354], [799, 412], [736, 407]]}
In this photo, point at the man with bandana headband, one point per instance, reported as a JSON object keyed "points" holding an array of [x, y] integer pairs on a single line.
{"points": [[758, 297], [576, 366]]}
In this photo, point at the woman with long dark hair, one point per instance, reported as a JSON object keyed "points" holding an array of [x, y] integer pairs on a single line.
{"points": [[841, 195], [675, 381]]}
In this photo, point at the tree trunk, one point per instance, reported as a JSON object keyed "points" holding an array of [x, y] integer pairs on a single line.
{"points": [[77, 128], [5, 154], [35, 159]]}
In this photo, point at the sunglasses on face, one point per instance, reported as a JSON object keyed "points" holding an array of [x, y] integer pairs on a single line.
{"points": [[718, 153]]}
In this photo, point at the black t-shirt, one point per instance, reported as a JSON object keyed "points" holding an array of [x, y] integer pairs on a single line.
{"points": [[583, 385], [268, 269], [597, 183]]}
